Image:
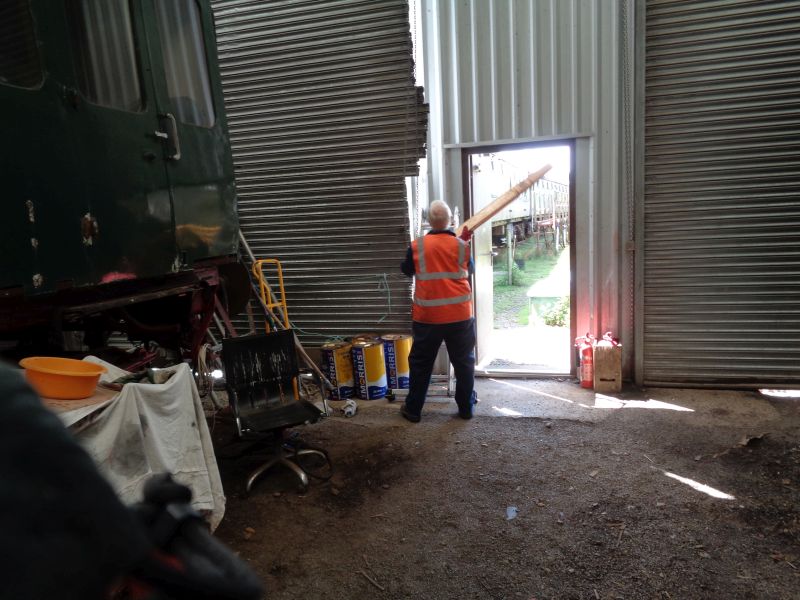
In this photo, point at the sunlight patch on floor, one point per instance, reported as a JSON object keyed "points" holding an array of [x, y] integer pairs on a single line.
{"points": [[781, 393], [601, 401], [701, 487], [507, 412], [530, 391]]}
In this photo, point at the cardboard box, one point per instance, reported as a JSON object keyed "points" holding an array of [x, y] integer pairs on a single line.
{"points": [[607, 368]]}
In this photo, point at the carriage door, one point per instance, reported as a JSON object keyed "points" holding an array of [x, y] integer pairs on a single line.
{"points": [[188, 94], [84, 145]]}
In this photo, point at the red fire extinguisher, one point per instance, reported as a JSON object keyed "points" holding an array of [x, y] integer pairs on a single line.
{"points": [[585, 347]]}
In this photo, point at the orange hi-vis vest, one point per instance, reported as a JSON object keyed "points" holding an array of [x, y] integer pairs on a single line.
{"points": [[442, 293]]}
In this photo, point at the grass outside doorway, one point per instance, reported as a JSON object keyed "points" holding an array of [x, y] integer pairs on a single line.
{"points": [[532, 263]]}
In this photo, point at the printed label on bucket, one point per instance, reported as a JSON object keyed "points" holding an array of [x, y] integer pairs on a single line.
{"points": [[338, 366], [370, 370], [396, 348]]}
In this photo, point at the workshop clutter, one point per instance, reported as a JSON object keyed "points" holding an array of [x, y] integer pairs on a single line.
{"points": [[585, 362], [367, 365], [600, 362], [350, 408], [62, 378], [608, 364]]}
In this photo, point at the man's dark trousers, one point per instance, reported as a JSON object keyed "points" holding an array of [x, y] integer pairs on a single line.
{"points": [[460, 340]]}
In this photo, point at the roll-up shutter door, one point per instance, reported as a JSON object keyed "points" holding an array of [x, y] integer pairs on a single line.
{"points": [[722, 193], [325, 124]]}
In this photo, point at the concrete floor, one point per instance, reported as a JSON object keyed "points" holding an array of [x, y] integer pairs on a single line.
{"points": [[565, 399], [657, 493]]}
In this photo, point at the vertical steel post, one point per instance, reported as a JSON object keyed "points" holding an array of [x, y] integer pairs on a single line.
{"points": [[510, 250]]}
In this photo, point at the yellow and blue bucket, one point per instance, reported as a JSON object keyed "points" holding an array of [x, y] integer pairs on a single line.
{"points": [[396, 348], [337, 364], [369, 369]]}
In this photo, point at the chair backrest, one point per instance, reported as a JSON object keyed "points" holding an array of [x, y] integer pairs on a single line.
{"points": [[260, 371]]}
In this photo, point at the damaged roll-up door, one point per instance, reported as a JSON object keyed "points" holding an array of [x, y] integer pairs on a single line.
{"points": [[326, 123]]}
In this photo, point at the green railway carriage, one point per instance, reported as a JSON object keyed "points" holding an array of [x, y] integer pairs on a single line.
{"points": [[116, 179]]}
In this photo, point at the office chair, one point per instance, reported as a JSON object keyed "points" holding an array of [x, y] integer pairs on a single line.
{"points": [[262, 379]]}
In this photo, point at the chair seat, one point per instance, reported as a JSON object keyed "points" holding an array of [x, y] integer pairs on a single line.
{"points": [[278, 417]]}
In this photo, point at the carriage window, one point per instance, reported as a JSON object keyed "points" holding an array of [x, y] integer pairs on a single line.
{"points": [[102, 38], [185, 64], [19, 57]]}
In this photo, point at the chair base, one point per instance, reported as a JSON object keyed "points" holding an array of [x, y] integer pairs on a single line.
{"points": [[287, 457]]}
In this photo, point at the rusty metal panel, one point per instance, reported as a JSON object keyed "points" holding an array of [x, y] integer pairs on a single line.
{"points": [[722, 180], [325, 124]]}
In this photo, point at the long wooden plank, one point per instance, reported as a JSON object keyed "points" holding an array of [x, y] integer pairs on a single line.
{"points": [[485, 214]]}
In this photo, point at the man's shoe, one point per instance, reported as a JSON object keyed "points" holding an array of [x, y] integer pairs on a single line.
{"points": [[467, 413], [408, 415]]}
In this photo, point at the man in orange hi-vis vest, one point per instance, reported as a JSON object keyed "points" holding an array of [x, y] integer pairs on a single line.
{"points": [[441, 264]]}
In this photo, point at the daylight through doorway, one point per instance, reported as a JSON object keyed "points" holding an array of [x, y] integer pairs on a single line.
{"points": [[522, 264]]}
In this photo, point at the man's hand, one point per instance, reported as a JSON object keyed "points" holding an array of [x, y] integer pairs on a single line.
{"points": [[465, 234]]}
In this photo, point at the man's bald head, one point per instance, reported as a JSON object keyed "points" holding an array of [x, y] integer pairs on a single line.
{"points": [[439, 215]]}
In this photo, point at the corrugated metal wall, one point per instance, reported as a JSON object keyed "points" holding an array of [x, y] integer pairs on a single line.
{"points": [[325, 123], [518, 71], [722, 182]]}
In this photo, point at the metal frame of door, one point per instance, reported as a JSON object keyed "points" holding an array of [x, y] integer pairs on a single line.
{"points": [[466, 183]]}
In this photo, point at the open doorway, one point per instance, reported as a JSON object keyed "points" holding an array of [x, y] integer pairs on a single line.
{"points": [[523, 262]]}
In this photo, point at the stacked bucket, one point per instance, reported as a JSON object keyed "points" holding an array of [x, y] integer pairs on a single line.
{"points": [[367, 365]]}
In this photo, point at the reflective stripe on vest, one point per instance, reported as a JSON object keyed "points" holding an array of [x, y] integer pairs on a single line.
{"points": [[443, 301]]}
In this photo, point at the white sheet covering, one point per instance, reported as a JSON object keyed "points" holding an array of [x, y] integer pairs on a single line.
{"points": [[154, 428]]}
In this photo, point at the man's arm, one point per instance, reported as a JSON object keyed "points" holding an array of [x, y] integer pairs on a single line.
{"points": [[407, 266]]}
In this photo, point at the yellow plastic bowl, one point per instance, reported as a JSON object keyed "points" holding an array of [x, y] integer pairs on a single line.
{"points": [[62, 378]]}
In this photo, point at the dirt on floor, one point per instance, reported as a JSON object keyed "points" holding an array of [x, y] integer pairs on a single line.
{"points": [[701, 502]]}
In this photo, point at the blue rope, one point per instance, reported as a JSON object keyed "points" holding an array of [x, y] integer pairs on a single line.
{"points": [[383, 286]]}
